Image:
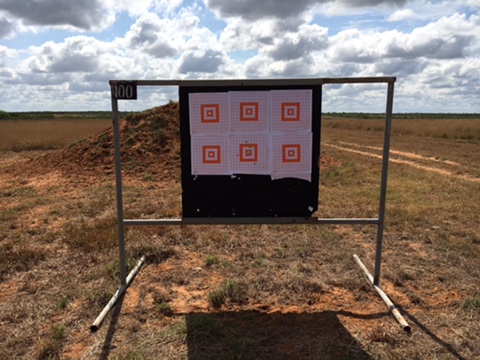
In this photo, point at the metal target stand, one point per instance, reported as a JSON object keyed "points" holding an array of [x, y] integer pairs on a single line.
{"points": [[127, 90]]}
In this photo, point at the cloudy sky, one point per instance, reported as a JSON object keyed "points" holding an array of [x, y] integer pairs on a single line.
{"points": [[60, 54]]}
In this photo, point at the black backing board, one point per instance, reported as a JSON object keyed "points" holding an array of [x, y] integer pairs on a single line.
{"points": [[247, 195]]}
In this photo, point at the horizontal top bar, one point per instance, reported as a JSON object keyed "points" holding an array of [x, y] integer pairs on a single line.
{"points": [[261, 82]]}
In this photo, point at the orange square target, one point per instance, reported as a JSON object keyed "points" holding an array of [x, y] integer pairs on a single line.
{"points": [[248, 152], [249, 111], [211, 154], [291, 153], [210, 113], [291, 111]]}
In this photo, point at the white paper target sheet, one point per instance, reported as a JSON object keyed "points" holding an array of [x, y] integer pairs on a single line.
{"points": [[252, 132]]}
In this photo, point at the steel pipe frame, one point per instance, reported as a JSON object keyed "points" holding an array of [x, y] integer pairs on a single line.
{"points": [[252, 221], [380, 221], [119, 190], [99, 320], [260, 82], [268, 82], [391, 307]]}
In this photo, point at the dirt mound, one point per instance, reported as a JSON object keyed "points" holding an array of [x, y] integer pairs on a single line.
{"points": [[150, 142], [150, 145]]}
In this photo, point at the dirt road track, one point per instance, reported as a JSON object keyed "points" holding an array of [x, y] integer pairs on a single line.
{"points": [[409, 159]]}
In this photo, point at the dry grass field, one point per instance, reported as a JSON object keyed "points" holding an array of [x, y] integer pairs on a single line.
{"points": [[240, 292], [47, 134]]}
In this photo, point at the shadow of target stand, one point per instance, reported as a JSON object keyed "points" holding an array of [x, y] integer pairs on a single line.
{"points": [[250, 155]]}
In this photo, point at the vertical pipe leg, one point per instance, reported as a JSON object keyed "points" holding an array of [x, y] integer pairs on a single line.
{"points": [[119, 191], [383, 183]]}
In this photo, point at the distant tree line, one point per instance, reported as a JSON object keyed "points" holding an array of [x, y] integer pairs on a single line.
{"points": [[413, 116], [51, 115]]}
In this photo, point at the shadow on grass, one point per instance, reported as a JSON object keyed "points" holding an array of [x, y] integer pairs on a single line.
{"points": [[434, 337], [256, 335], [107, 345]]}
